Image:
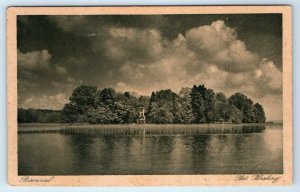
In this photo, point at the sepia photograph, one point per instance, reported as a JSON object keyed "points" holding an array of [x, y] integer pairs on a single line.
{"points": [[161, 92]]}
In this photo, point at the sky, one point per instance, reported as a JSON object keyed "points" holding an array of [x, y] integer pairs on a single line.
{"points": [[143, 53]]}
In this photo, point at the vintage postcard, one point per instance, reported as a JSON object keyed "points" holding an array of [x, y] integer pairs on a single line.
{"points": [[149, 96]]}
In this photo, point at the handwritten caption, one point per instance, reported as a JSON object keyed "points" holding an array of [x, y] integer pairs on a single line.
{"points": [[258, 177], [36, 180]]}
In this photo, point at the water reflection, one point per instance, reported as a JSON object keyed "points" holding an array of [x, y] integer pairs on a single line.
{"points": [[80, 146], [200, 149], [245, 150]]}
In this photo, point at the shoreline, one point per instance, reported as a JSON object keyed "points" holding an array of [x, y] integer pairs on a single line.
{"points": [[132, 129], [135, 125]]}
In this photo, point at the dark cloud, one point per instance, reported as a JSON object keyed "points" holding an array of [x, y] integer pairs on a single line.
{"points": [[40, 32], [228, 53]]}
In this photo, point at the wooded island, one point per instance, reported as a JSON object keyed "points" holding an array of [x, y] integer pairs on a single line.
{"points": [[196, 105]]}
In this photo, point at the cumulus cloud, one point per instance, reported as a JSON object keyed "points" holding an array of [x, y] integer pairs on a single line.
{"points": [[126, 44], [210, 54], [36, 74], [61, 70], [34, 60], [170, 71], [56, 101], [25, 84], [218, 44], [122, 87], [70, 80], [269, 75], [67, 83], [256, 84]]}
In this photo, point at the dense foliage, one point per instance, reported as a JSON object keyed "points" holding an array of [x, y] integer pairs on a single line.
{"points": [[191, 105], [87, 104], [38, 116]]}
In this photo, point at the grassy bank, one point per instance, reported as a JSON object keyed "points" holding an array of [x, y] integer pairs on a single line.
{"points": [[140, 129]]}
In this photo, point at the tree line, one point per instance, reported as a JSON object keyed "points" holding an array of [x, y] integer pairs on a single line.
{"points": [[191, 105], [39, 116]]}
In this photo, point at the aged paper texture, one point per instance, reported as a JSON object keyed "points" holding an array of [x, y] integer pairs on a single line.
{"points": [[149, 96]]}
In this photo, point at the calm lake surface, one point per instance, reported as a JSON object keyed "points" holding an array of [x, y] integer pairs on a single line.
{"points": [[259, 151]]}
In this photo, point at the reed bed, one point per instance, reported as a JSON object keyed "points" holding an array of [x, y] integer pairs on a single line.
{"points": [[141, 129]]}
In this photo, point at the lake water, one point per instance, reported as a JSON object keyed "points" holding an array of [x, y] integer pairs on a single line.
{"points": [[259, 151]]}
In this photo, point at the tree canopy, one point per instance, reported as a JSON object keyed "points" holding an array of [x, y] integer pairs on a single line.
{"points": [[198, 104]]}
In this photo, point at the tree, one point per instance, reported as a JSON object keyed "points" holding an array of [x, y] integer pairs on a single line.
{"points": [[222, 108], [153, 97], [184, 108], [125, 112], [162, 107], [245, 105], [70, 113], [221, 111], [107, 95], [38, 116], [143, 101], [27, 115], [112, 107], [259, 113], [159, 114], [83, 96], [167, 95], [81, 100], [209, 105], [235, 115], [221, 97], [197, 103], [102, 115]]}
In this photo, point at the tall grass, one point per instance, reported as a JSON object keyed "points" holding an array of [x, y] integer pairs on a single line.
{"points": [[141, 129]]}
